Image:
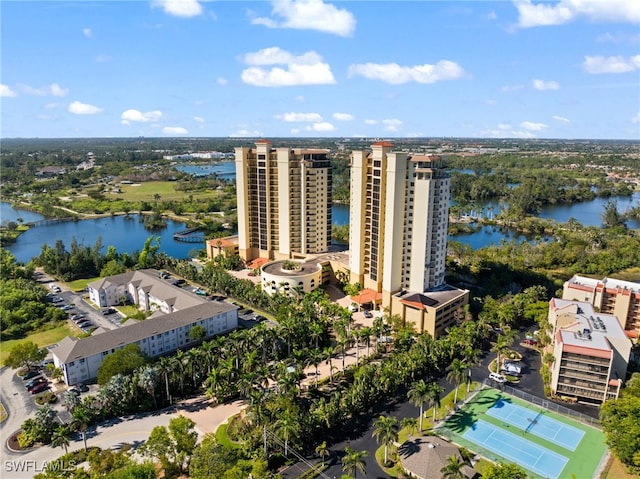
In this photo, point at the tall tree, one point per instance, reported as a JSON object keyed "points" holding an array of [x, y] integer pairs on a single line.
{"points": [[385, 430], [353, 461], [433, 393], [25, 355], [60, 438], [418, 395], [457, 373], [453, 468]]}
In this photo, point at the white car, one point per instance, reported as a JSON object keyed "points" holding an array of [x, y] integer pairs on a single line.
{"points": [[499, 378]]}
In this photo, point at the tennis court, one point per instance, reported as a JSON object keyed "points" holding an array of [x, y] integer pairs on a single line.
{"points": [[561, 448], [531, 456], [537, 424]]}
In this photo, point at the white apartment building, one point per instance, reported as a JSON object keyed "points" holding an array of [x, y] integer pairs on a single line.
{"points": [[611, 296], [399, 214], [175, 312], [284, 201], [591, 352]]}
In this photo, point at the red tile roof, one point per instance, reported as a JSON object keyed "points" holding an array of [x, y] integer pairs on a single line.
{"points": [[367, 296], [262, 141], [383, 143]]}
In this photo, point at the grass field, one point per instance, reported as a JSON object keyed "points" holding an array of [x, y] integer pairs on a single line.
{"points": [[582, 463], [41, 338], [166, 189]]}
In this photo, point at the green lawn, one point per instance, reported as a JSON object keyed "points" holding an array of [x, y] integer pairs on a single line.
{"points": [[146, 191], [583, 462], [80, 284], [41, 338]]}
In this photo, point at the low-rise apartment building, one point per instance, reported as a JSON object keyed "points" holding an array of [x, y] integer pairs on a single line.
{"points": [[609, 296], [175, 312], [591, 352]]}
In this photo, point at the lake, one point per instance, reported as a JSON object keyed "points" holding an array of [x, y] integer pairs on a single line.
{"points": [[127, 235], [224, 169]]}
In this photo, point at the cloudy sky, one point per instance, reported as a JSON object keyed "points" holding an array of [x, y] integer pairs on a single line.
{"points": [[311, 68]]}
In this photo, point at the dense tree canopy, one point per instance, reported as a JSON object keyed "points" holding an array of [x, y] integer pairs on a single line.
{"points": [[122, 361]]}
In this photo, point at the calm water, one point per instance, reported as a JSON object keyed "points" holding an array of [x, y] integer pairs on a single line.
{"points": [[127, 235], [224, 169]]}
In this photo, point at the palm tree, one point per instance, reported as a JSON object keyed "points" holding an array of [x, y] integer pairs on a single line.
{"points": [[287, 425], [328, 353], [457, 372], [60, 438], [322, 451], [502, 345], [80, 422], [165, 367], [353, 461], [147, 380], [453, 468], [433, 394], [411, 424], [385, 430], [418, 395]]}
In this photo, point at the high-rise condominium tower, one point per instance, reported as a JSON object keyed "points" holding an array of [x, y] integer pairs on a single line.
{"points": [[399, 209], [284, 201]]}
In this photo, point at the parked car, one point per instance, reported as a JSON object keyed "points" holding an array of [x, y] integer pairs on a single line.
{"points": [[200, 292], [34, 381], [56, 299], [353, 307], [499, 378], [530, 342], [178, 282], [67, 307], [38, 388], [31, 374], [368, 314], [108, 311], [78, 316], [260, 318]]}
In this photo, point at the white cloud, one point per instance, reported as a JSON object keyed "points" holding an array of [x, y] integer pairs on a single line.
{"points": [[564, 11], [300, 98], [7, 92], [396, 74], [561, 119], [222, 81], [322, 126], [179, 8], [87, 32], [244, 133], [543, 85], [492, 16], [305, 69], [57, 90], [198, 119], [343, 116], [295, 131], [137, 116], [295, 117], [392, 124], [174, 130], [532, 126], [636, 119], [53, 89], [504, 126], [102, 59], [52, 106], [512, 87], [79, 108], [371, 122], [309, 15], [617, 64]]}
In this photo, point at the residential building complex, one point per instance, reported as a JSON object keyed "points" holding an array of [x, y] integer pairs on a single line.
{"points": [[399, 213], [284, 201], [610, 296], [174, 313], [591, 352]]}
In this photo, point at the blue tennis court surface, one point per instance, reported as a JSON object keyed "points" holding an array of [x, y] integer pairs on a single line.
{"points": [[529, 455], [537, 423]]}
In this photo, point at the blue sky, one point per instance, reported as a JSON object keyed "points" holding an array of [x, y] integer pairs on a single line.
{"points": [[312, 68]]}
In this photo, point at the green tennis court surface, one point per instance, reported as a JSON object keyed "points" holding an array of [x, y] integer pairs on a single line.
{"points": [[546, 444]]}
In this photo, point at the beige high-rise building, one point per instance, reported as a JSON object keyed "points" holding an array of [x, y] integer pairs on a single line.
{"points": [[284, 201], [399, 209]]}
